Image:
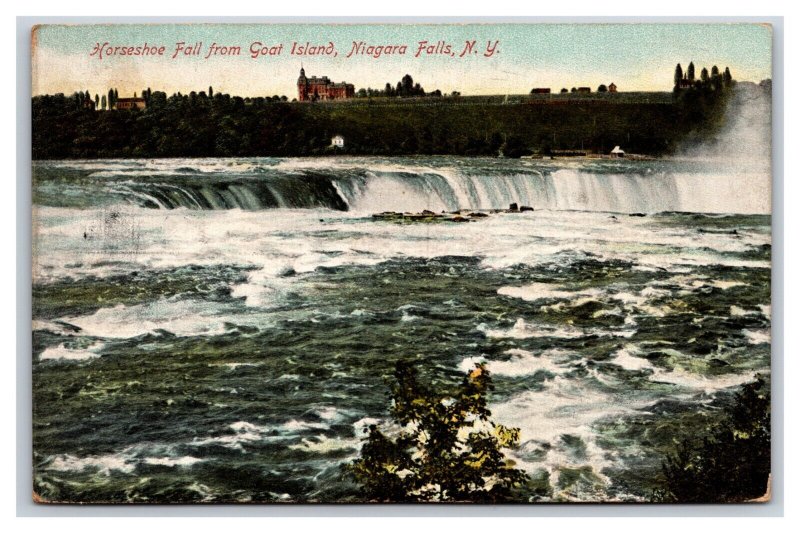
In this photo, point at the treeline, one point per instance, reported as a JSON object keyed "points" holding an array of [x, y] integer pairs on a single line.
{"points": [[714, 80], [405, 88], [212, 124]]}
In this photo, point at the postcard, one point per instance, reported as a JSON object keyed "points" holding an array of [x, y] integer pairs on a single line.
{"points": [[354, 263]]}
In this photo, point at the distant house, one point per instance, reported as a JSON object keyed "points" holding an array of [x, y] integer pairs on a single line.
{"points": [[337, 141], [685, 83], [540, 90], [584, 89], [617, 152], [130, 103], [612, 88]]}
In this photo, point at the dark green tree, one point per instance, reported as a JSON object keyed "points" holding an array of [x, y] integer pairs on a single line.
{"points": [[678, 75], [446, 447], [602, 88], [726, 77], [690, 72], [732, 463], [704, 75]]}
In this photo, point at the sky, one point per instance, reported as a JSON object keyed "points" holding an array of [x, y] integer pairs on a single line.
{"points": [[635, 57]]}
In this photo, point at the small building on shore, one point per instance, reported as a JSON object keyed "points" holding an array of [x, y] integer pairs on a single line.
{"points": [[612, 88], [337, 141], [130, 103], [617, 152]]}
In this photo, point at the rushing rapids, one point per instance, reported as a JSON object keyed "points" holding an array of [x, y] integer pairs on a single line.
{"points": [[224, 330]]}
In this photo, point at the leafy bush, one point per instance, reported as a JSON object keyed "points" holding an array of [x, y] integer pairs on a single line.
{"points": [[730, 465], [443, 448]]}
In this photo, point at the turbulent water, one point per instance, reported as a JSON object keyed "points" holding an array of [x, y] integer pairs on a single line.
{"points": [[224, 330]]}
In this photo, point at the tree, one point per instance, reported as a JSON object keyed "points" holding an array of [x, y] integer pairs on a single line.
{"points": [[564, 90], [726, 77], [210, 91], [704, 75], [602, 89], [103, 103], [446, 449], [732, 463], [678, 75], [716, 79], [573, 90], [406, 86], [690, 72]]}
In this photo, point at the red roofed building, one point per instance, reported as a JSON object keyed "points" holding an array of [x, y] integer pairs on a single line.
{"points": [[313, 89]]}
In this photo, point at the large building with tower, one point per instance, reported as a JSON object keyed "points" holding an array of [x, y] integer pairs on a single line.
{"points": [[313, 89]]}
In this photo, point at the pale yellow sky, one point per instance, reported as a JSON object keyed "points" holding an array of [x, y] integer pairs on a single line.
{"points": [[635, 57]]}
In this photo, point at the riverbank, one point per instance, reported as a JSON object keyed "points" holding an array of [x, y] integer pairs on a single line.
{"points": [[225, 126]]}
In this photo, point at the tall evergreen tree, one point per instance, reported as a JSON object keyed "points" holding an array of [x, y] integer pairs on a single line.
{"points": [[690, 72], [704, 75], [726, 77], [678, 75], [103, 103]]}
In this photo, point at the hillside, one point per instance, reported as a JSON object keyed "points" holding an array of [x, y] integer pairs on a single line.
{"points": [[198, 126]]}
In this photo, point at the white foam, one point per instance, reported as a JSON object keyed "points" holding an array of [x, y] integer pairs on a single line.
{"points": [[522, 363], [104, 464], [522, 330], [182, 317], [708, 384], [758, 336], [627, 359], [61, 352], [536, 291], [172, 461], [322, 444]]}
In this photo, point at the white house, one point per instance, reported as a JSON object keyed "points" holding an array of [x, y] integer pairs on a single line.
{"points": [[617, 152], [337, 141]]}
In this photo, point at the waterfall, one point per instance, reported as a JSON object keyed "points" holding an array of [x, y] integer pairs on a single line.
{"points": [[368, 185]]}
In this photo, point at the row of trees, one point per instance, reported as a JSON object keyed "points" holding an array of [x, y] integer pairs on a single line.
{"points": [[214, 124], [602, 88], [84, 100], [713, 79], [405, 88]]}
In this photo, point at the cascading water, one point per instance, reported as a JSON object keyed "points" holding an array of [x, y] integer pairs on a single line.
{"points": [[368, 185]]}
